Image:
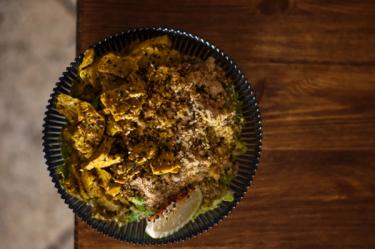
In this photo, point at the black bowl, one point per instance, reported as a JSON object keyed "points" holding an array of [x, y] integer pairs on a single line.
{"points": [[252, 134]]}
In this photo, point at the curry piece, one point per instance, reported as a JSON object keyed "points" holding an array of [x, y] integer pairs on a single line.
{"points": [[142, 152], [90, 184], [113, 127], [87, 125], [164, 164], [88, 59], [87, 70], [120, 66], [123, 173], [124, 102], [101, 157], [160, 41]]}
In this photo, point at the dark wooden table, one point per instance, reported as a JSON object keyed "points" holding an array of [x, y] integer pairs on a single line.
{"points": [[312, 64]]}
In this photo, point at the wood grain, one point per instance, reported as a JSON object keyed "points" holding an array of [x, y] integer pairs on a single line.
{"points": [[312, 64]]}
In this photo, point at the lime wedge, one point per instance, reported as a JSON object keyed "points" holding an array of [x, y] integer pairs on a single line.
{"points": [[175, 216]]}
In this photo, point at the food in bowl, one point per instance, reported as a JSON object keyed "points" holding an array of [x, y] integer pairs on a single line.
{"points": [[151, 133]]}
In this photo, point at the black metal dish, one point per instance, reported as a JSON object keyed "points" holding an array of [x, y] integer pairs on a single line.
{"points": [[252, 135]]}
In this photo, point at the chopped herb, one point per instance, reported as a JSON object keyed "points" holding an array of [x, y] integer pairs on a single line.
{"points": [[95, 102], [226, 196]]}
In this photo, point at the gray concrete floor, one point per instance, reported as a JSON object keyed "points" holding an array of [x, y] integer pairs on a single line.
{"points": [[37, 42]]}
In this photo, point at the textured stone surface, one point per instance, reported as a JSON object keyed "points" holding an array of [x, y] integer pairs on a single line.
{"points": [[37, 42]]}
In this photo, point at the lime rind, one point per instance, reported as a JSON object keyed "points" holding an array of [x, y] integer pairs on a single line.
{"points": [[176, 216]]}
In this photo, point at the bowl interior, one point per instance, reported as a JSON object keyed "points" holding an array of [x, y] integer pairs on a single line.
{"points": [[188, 44]]}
